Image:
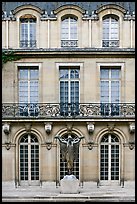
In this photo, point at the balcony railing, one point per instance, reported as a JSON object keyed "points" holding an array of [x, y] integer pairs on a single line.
{"points": [[27, 43], [63, 110], [69, 43], [110, 43]]}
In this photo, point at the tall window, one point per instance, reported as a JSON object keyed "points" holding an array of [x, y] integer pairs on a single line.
{"points": [[69, 91], [110, 32], [29, 159], [110, 90], [69, 32], [28, 90], [27, 32], [109, 158]]}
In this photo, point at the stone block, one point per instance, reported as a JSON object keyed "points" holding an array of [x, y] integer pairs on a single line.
{"points": [[69, 184]]}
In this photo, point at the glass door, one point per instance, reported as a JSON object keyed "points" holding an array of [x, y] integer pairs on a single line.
{"points": [[109, 159], [69, 91], [29, 160]]}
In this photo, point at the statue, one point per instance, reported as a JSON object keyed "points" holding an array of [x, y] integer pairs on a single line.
{"points": [[69, 150]]}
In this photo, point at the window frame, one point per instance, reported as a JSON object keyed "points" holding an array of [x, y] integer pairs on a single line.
{"points": [[26, 23], [110, 42], [69, 41]]}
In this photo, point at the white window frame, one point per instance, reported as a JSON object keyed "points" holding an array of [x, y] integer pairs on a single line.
{"points": [[110, 27], [69, 28], [109, 143], [22, 37], [29, 181]]}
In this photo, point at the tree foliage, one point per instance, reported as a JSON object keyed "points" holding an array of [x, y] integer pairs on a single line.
{"points": [[9, 56]]}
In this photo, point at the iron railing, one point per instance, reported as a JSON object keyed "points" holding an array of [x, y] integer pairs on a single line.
{"points": [[62, 110], [27, 43], [110, 43], [69, 43]]}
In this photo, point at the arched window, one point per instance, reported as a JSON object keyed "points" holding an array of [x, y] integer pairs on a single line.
{"points": [[110, 31], [109, 158], [27, 31], [29, 160], [69, 32]]}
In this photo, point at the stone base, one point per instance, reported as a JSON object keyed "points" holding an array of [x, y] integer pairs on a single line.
{"points": [[69, 184]]}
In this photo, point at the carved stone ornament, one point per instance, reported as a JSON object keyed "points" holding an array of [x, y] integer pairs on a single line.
{"points": [[8, 145], [48, 128], [90, 127], [131, 145], [90, 145], [28, 127], [132, 128], [6, 128], [48, 145], [110, 128]]}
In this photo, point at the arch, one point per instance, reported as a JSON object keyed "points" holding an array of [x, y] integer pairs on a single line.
{"points": [[23, 131], [69, 6], [105, 131], [64, 131], [23, 7], [69, 16], [111, 6], [27, 16], [111, 15]]}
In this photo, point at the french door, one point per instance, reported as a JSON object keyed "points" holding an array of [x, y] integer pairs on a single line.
{"points": [[109, 159], [28, 91], [69, 91], [29, 160], [110, 91]]}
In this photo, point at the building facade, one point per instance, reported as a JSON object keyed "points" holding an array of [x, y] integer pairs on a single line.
{"points": [[68, 69]]}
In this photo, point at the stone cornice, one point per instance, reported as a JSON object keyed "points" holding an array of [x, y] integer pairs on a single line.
{"points": [[64, 7], [22, 7], [111, 6], [75, 52]]}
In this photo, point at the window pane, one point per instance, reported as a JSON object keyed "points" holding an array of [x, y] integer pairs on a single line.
{"points": [[64, 73], [74, 73], [23, 74], [115, 73], [104, 91], [104, 73]]}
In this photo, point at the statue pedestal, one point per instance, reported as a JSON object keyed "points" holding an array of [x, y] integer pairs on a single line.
{"points": [[69, 184]]}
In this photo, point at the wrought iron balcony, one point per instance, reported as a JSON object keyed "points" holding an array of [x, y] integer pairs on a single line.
{"points": [[69, 43], [110, 43], [64, 110], [27, 43]]}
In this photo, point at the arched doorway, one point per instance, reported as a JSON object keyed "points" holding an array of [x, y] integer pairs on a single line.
{"points": [[63, 164], [109, 159], [29, 160]]}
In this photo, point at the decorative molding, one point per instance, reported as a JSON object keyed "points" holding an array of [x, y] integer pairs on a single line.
{"points": [[90, 127], [48, 145], [48, 127], [23, 7], [28, 127], [90, 145], [132, 127], [8, 145], [69, 127], [110, 127], [70, 6], [111, 6], [6, 128], [131, 145]]}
